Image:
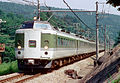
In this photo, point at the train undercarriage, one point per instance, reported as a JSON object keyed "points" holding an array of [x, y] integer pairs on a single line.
{"points": [[26, 65]]}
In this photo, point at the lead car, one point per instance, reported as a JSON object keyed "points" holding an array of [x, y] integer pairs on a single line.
{"points": [[39, 45]]}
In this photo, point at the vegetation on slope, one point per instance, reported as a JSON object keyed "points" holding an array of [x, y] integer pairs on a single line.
{"points": [[7, 33], [117, 40], [6, 68]]}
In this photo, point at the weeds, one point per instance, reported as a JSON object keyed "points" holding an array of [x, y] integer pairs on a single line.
{"points": [[6, 68]]}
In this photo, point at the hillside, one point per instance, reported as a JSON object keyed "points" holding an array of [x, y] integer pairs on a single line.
{"points": [[13, 22], [7, 33], [88, 18]]}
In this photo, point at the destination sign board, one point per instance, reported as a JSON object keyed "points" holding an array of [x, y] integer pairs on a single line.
{"points": [[2, 47]]}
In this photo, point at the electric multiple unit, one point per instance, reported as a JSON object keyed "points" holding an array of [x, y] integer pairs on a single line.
{"points": [[38, 44]]}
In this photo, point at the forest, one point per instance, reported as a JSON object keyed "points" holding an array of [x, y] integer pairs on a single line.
{"points": [[28, 12]]}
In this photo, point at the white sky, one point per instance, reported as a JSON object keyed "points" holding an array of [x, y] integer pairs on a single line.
{"points": [[78, 4], [82, 4]]}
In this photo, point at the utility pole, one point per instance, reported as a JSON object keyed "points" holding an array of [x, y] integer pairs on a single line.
{"points": [[38, 10], [105, 39], [108, 42], [97, 32]]}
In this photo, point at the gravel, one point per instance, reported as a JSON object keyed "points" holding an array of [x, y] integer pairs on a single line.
{"points": [[82, 67]]}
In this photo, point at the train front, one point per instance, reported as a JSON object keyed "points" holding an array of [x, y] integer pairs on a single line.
{"points": [[29, 49]]}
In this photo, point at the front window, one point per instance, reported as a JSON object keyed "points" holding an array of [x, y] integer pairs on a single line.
{"points": [[19, 40], [42, 26], [27, 25]]}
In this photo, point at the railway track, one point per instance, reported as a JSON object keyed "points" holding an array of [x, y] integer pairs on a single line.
{"points": [[11, 78], [28, 78], [19, 78]]}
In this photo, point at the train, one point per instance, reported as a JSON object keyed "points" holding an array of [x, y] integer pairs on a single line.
{"points": [[39, 45]]}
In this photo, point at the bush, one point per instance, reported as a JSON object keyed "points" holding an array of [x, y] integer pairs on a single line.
{"points": [[9, 54], [6, 68], [14, 67], [117, 40]]}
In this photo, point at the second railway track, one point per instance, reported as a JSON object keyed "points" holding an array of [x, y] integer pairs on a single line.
{"points": [[19, 78], [11, 78]]}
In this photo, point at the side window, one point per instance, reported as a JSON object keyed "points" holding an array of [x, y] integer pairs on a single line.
{"points": [[61, 41], [32, 43], [66, 42], [58, 42]]}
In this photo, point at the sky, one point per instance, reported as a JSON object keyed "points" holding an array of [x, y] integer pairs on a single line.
{"points": [[83, 4], [78, 4]]}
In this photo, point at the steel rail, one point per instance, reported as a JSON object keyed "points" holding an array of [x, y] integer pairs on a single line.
{"points": [[29, 78], [10, 78]]}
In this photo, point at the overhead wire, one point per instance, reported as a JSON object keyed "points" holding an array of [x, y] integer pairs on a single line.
{"points": [[77, 15], [52, 16], [33, 3]]}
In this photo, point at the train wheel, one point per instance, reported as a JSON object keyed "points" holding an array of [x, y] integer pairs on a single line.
{"points": [[60, 63], [69, 60], [53, 64], [65, 62], [56, 63]]}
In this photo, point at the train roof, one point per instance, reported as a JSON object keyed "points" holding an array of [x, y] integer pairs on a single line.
{"points": [[36, 25], [44, 25]]}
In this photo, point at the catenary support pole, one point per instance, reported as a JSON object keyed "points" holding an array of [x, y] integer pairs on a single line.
{"points": [[97, 32], [105, 39]]}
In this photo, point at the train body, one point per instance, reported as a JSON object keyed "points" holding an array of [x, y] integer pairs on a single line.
{"points": [[38, 44]]}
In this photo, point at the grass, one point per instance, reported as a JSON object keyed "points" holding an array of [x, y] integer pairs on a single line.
{"points": [[110, 80], [116, 81], [6, 68]]}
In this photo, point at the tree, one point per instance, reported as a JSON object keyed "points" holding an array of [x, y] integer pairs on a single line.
{"points": [[114, 3], [117, 41]]}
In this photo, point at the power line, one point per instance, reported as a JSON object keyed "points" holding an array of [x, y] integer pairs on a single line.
{"points": [[33, 3], [76, 15]]}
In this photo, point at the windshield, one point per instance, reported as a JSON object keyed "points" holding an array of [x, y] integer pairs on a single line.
{"points": [[27, 25], [42, 26]]}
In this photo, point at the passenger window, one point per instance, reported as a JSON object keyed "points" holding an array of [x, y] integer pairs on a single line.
{"points": [[61, 41], [66, 42], [58, 42]]}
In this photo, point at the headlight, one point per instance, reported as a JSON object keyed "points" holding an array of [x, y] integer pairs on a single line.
{"points": [[46, 47], [19, 47]]}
